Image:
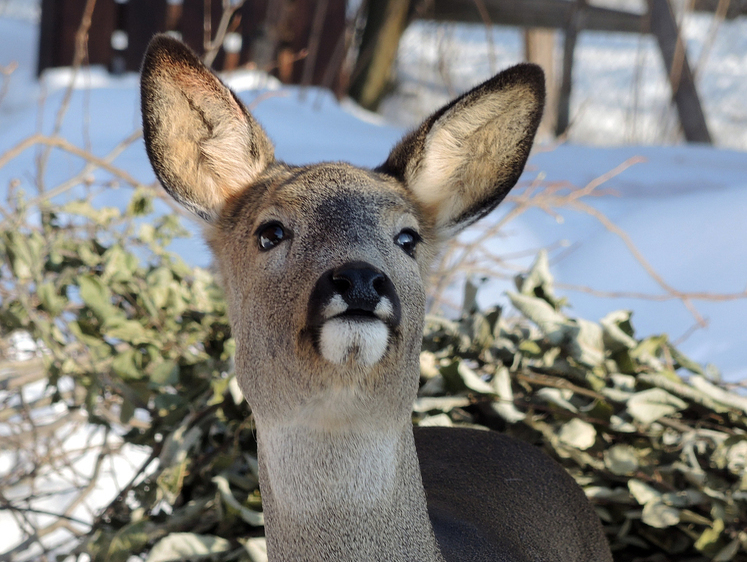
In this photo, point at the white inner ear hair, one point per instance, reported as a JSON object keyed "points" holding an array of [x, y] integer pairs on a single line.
{"points": [[467, 150]]}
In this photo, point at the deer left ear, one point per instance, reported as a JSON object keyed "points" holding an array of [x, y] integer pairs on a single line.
{"points": [[465, 158], [202, 142]]}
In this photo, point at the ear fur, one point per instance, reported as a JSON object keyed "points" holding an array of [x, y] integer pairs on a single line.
{"points": [[202, 142], [464, 159]]}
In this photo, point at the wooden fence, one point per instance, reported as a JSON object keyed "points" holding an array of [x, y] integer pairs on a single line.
{"points": [[300, 41], [575, 16], [305, 41]]}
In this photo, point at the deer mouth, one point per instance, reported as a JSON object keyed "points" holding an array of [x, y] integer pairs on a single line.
{"points": [[353, 312], [383, 311], [359, 314], [348, 333], [360, 338]]}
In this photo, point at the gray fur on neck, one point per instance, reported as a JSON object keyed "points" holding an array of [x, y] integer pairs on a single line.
{"points": [[344, 495]]}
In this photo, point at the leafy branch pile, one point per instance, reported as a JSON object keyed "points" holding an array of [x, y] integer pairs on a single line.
{"points": [[658, 446], [140, 342]]}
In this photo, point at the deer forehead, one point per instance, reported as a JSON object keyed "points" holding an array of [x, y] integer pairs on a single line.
{"points": [[334, 214], [323, 204]]}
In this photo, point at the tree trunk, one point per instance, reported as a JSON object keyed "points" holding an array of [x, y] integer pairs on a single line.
{"points": [[539, 48], [385, 23], [684, 92]]}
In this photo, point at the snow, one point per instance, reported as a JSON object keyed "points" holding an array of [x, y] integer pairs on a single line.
{"points": [[620, 94], [682, 206]]}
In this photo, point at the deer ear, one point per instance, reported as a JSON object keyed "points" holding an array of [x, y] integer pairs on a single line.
{"points": [[466, 157], [202, 142]]}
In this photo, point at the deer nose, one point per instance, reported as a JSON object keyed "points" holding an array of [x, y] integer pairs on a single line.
{"points": [[355, 288], [360, 285]]}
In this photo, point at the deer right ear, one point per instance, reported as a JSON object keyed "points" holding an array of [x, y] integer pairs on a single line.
{"points": [[465, 158], [202, 142]]}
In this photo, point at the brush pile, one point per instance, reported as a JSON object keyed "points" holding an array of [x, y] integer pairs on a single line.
{"points": [[659, 446], [131, 348]]}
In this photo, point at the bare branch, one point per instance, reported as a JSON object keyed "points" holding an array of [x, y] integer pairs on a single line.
{"points": [[6, 71], [80, 54], [212, 47], [67, 146], [549, 196], [5, 504]]}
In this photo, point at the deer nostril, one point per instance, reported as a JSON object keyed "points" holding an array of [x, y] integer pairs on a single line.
{"points": [[341, 283], [378, 283], [354, 289], [359, 284]]}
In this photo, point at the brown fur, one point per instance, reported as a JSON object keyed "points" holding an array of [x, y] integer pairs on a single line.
{"points": [[340, 468]]}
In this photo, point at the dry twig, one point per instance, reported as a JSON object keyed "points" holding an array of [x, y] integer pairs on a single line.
{"points": [[213, 46], [460, 258]]}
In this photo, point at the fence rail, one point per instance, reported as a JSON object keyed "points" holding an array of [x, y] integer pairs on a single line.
{"points": [[306, 42], [574, 16]]}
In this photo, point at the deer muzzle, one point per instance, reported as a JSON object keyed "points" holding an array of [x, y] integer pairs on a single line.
{"points": [[353, 310]]}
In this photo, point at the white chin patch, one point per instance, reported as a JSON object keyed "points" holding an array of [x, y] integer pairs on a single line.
{"points": [[363, 341]]}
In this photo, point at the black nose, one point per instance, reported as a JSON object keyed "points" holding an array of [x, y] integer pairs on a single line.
{"points": [[360, 285]]}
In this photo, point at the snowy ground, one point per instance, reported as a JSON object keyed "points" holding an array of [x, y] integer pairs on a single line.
{"points": [[683, 207]]}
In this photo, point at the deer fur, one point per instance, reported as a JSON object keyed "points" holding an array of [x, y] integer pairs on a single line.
{"points": [[324, 269]]}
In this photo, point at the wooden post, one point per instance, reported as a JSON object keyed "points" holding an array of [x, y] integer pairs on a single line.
{"points": [[192, 25], [539, 48], [47, 44], [385, 24], [59, 25], [145, 18], [575, 24], [664, 27]]}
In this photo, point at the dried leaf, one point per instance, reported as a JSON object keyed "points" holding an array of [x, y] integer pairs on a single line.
{"points": [[441, 403], [439, 420], [621, 459], [586, 343], [256, 548], [52, 302], [254, 518], [642, 492], [97, 297], [615, 495], [539, 281], [709, 538], [459, 377], [558, 397], [578, 433], [130, 538], [164, 374], [181, 546], [615, 337], [504, 405], [659, 515], [728, 399], [548, 320], [650, 405]]}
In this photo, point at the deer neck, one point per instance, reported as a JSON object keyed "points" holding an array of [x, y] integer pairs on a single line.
{"points": [[345, 492]]}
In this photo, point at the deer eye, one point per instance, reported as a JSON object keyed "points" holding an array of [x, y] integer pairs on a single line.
{"points": [[270, 235], [407, 239]]}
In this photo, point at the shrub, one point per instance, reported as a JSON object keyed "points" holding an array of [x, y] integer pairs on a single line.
{"points": [[143, 340]]}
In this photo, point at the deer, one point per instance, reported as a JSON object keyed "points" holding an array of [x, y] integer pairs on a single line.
{"points": [[324, 269]]}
